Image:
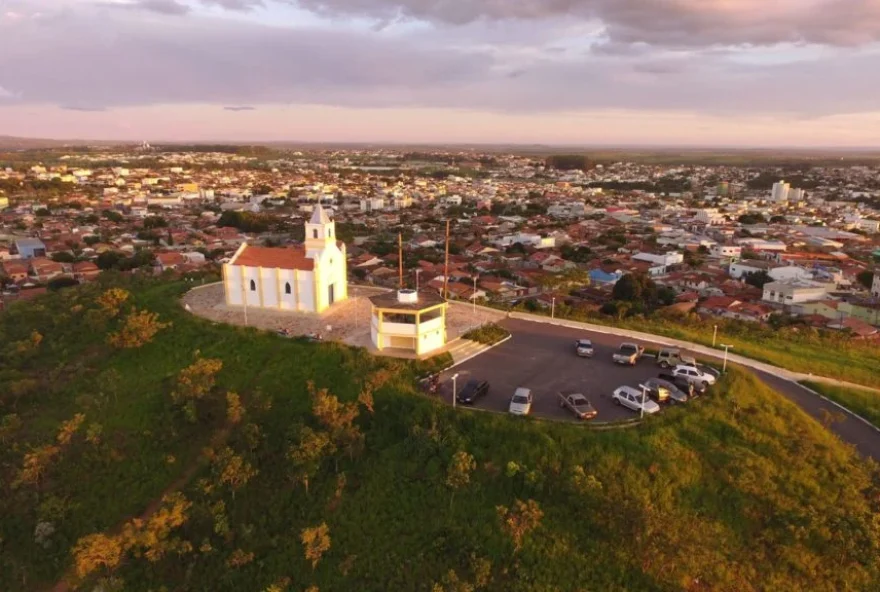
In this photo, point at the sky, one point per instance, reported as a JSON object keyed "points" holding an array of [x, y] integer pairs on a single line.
{"points": [[757, 73]]}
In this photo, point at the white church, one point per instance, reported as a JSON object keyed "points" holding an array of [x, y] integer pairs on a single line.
{"points": [[308, 278]]}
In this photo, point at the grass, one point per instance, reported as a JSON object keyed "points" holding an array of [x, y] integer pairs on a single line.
{"points": [[488, 334], [739, 489], [861, 401]]}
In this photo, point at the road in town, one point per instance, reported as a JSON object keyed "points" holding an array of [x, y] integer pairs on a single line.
{"points": [[541, 356]]}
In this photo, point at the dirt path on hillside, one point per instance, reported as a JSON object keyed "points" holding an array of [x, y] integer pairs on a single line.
{"points": [[217, 440]]}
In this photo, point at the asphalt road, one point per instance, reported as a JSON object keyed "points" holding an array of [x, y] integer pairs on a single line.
{"points": [[541, 356]]}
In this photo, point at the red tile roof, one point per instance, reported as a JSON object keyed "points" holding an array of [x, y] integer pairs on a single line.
{"points": [[282, 258]]}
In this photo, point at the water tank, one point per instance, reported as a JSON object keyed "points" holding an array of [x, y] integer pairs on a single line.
{"points": [[407, 296]]}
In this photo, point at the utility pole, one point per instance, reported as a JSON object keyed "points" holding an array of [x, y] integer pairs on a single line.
{"points": [[714, 335], [474, 296], [553, 307], [400, 257], [418, 273], [454, 389], [726, 347], [446, 266], [642, 411]]}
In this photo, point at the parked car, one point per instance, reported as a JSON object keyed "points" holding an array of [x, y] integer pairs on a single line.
{"points": [[521, 402], [634, 399], [578, 404], [695, 376], [628, 353], [670, 357], [676, 394], [583, 348], [472, 390], [657, 391], [692, 363], [683, 383]]}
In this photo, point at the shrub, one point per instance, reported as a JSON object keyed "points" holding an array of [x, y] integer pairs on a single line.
{"points": [[488, 334]]}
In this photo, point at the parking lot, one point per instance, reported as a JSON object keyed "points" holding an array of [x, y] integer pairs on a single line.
{"points": [[542, 358]]}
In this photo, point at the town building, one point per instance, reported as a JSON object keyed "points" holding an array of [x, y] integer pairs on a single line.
{"points": [[410, 321], [307, 278], [795, 291]]}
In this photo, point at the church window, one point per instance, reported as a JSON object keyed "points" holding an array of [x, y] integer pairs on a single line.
{"points": [[330, 232], [287, 288], [253, 286], [315, 233]]}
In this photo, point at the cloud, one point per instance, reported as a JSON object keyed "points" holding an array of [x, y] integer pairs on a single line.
{"points": [[677, 23], [241, 108], [170, 7], [486, 65], [5, 94], [82, 108], [240, 5]]}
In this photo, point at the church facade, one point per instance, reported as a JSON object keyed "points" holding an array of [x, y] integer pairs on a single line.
{"points": [[308, 278]]}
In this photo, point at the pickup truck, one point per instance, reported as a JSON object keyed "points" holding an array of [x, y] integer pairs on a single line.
{"points": [[628, 353], [577, 404]]}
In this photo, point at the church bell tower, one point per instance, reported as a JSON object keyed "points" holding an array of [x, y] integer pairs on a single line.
{"points": [[320, 230]]}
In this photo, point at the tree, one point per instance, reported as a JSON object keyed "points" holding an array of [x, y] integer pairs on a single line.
{"points": [[750, 219], [636, 287], [194, 383], [97, 551], [307, 455], [757, 278], [59, 283], [138, 329], [151, 222], [112, 216], [866, 279], [234, 408], [63, 257], [316, 542], [458, 473], [111, 301], [108, 259], [232, 469], [517, 522]]}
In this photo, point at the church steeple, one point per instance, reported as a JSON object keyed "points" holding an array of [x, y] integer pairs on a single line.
{"points": [[320, 230]]}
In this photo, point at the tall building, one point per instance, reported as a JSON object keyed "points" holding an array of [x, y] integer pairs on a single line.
{"points": [[796, 195], [780, 191]]}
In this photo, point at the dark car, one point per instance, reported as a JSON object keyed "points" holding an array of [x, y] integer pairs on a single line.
{"points": [[676, 394], [657, 390], [471, 391], [682, 383]]}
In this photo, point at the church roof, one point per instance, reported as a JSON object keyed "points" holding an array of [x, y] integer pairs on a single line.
{"points": [[271, 257], [319, 216]]}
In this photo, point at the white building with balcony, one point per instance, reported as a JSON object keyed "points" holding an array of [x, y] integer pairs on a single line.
{"points": [[408, 321]]}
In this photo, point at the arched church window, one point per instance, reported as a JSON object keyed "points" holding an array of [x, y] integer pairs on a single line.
{"points": [[330, 232], [287, 288], [253, 286], [315, 233]]}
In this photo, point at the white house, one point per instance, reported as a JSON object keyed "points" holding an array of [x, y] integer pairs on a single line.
{"points": [[875, 287], [307, 278], [726, 251], [776, 271], [795, 291]]}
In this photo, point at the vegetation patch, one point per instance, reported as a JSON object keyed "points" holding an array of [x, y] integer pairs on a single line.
{"points": [[224, 458], [489, 334], [864, 402]]}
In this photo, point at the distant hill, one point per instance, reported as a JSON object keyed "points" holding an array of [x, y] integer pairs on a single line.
{"points": [[16, 143]]}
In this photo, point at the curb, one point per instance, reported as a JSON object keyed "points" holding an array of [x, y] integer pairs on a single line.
{"points": [[838, 405], [585, 425], [474, 355]]}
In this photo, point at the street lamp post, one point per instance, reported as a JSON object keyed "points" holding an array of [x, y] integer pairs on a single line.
{"points": [[553, 307], [474, 296], [454, 390], [714, 335], [644, 394], [726, 347], [418, 272]]}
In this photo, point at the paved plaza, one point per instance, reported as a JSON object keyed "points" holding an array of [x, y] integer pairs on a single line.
{"points": [[347, 321]]}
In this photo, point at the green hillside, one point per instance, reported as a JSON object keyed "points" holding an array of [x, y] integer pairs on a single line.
{"points": [[287, 465]]}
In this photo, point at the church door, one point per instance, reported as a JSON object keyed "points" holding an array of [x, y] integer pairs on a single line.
{"points": [[330, 294]]}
